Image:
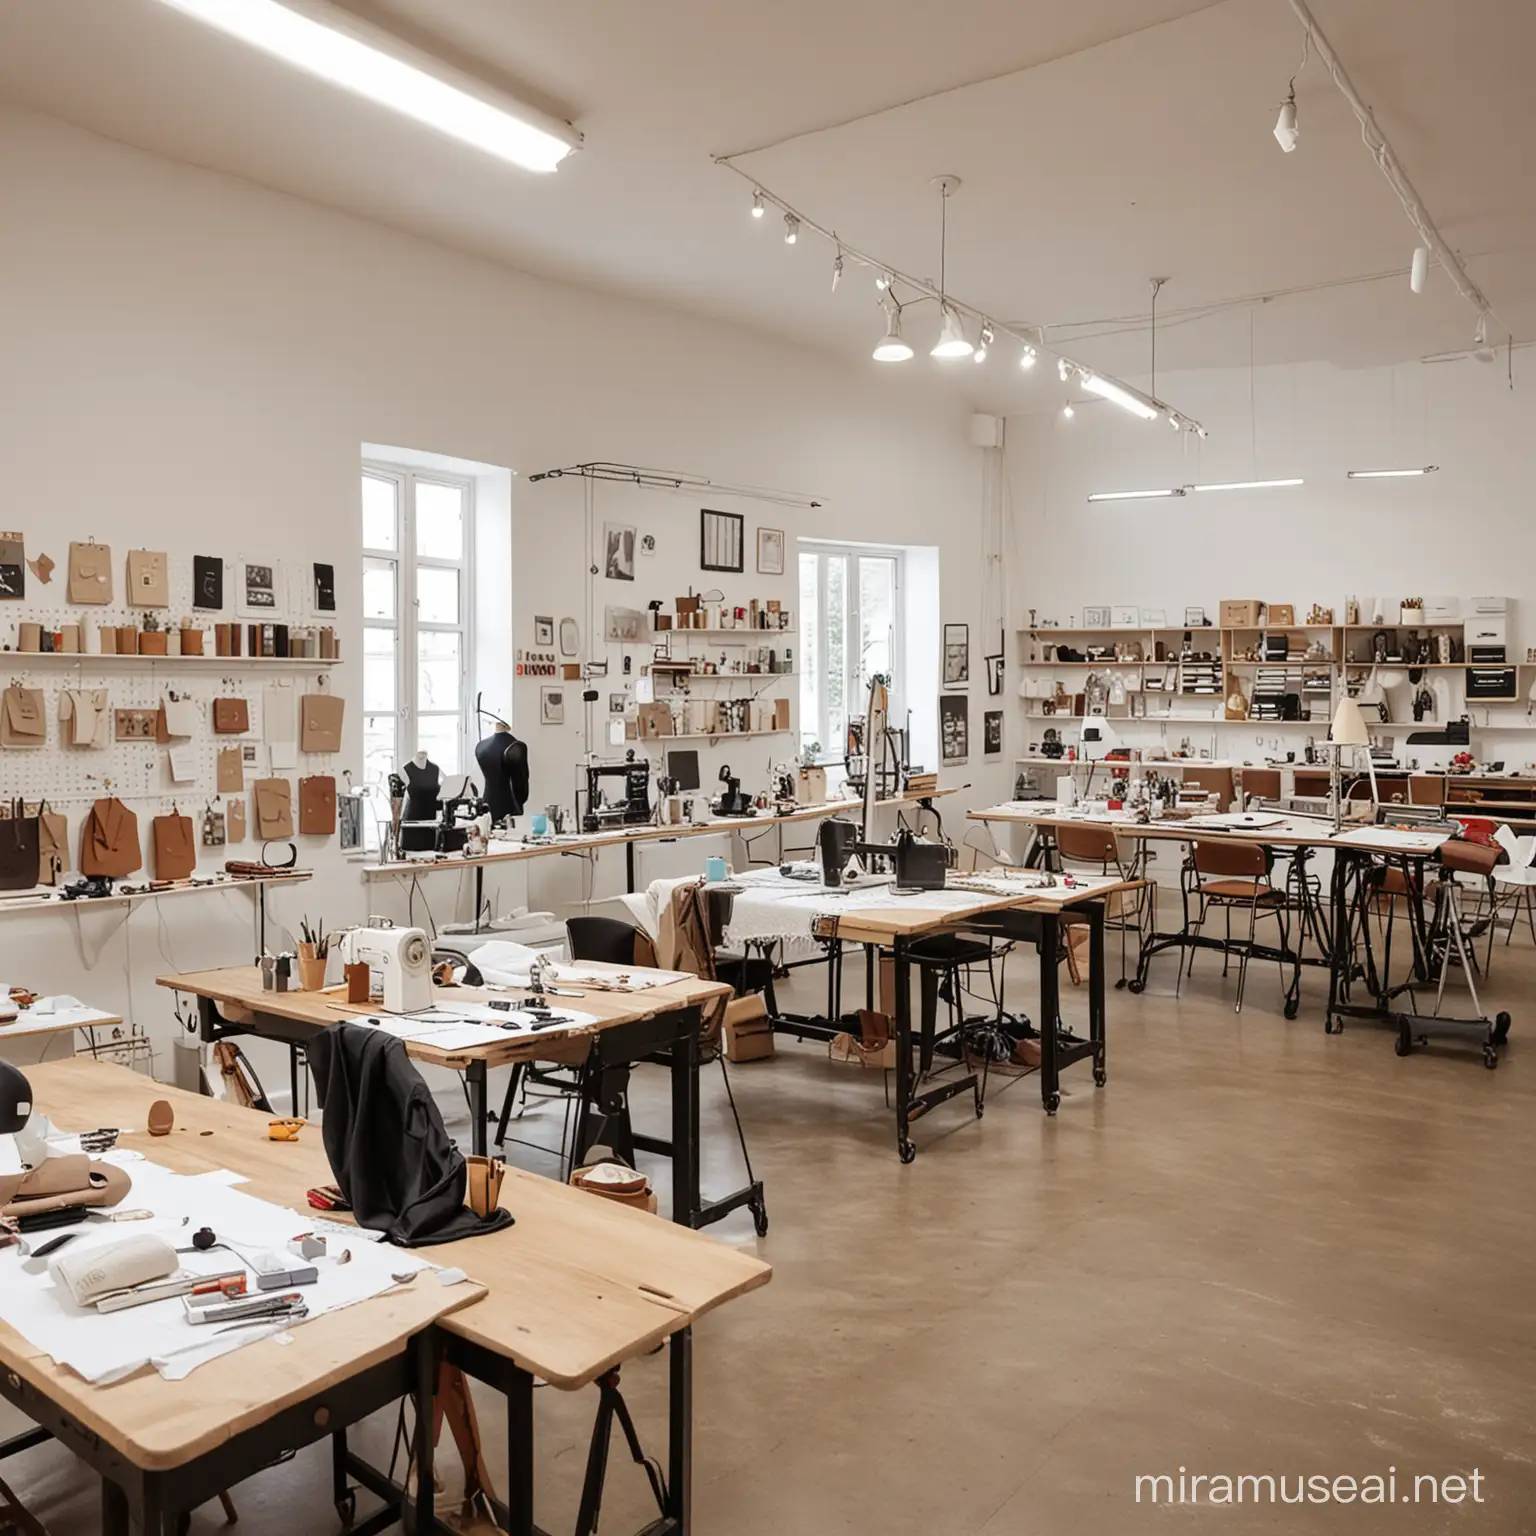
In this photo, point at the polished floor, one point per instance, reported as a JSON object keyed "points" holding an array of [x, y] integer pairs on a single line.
{"points": [[1258, 1250]]}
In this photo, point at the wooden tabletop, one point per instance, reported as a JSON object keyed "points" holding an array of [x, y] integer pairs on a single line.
{"points": [[1288, 832], [883, 925], [158, 1424], [238, 991], [30, 1023], [615, 837]]}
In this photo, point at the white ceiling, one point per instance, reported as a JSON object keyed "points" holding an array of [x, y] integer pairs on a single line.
{"points": [[1100, 143]]}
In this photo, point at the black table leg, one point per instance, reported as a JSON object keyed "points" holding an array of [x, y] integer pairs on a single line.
{"points": [[475, 1077], [423, 1392], [1341, 957], [1050, 1009], [479, 893], [152, 1511], [1097, 1013], [905, 1147], [629, 867], [680, 1430], [520, 1454], [114, 1509], [685, 1124]]}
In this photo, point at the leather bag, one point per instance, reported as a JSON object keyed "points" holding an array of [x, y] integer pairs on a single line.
{"points": [[175, 847], [109, 841], [52, 844], [90, 574], [22, 721], [19, 834], [231, 716], [317, 806], [274, 808]]}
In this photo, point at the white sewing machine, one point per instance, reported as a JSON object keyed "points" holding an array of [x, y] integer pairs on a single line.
{"points": [[402, 957]]}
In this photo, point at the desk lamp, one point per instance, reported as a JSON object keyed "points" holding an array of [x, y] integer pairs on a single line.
{"points": [[1349, 730]]}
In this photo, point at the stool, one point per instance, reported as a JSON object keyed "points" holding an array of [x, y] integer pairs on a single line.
{"points": [[940, 960]]}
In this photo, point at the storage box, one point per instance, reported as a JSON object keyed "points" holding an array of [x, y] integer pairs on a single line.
{"points": [[653, 721], [811, 786], [781, 714], [1281, 615], [1487, 605], [191, 642], [686, 605], [1488, 629], [69, 639], [748, 1030], [127, 640], [1240, 613], [640, 1202], [153, 642], [106, 637]]}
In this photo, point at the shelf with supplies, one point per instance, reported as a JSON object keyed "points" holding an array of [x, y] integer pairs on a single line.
{"points": [[190, 663], [656, 741], [740, 632], [37, 901]]}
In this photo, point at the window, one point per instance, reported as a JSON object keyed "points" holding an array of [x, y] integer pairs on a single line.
{"points": [[850, 629], [417, 609]]}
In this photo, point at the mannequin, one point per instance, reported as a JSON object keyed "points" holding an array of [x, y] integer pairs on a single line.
{"points": [[423, 788], [503, 761]]}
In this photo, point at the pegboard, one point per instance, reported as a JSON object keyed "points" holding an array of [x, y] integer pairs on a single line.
{"points": [[70, 778]]}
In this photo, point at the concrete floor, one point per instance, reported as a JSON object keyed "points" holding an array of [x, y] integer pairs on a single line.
{"points": [[1257, 1250]]}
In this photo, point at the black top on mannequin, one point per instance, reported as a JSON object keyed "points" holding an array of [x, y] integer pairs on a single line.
{"points": [[503, 761], [423, 788]]}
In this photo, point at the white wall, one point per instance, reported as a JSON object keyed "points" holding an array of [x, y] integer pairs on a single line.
{"points": [[1465, 531], [192, 363]]}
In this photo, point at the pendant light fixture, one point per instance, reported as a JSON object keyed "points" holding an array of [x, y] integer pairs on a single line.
{"points": [[952, 342], [892, 349]]}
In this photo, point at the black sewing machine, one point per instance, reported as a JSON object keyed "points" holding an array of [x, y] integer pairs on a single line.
{"points": [[732, 802], [458, 812], [634, 810]]}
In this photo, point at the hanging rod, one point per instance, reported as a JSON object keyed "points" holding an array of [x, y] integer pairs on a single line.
{"points": [[672, 480]]}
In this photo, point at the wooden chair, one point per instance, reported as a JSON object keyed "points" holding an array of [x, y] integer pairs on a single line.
{"points": [[1234, 876], [1095, 847], [1261, 784]]}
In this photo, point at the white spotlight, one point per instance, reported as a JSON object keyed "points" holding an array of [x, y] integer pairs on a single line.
{"points": [[757, 205], [1067, 411], [980, 354], [1286, 131], [791, 229], [1063, 369], [952, 342], [892, 349], [883, 281], [837, 271], [1418, 274], [1028, 358]]}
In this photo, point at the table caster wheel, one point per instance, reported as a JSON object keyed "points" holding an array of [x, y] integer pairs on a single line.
{"points": [[1292, 1007], [1333, 1027], [1136, 985], [1490, 1057], [1402, 1045], [1500, 1028], [908, 1150], [760, 1221], [1100, 1076], [346, 1510], [1052, 1103]]}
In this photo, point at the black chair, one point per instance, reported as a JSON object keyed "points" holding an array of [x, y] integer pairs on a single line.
{"points": [[609, 940]]}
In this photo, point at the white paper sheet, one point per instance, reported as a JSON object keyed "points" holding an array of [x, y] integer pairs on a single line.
{"points": [[183, 765], [105, 1347]]}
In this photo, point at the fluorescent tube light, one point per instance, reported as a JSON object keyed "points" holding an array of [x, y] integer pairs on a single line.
{"points": [[1123, 395], [1391, 474], [1173, 490], [347, 51], [1247, 485]]}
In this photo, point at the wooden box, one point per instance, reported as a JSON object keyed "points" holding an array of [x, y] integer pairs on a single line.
{"points": [[1241, 613], [1281, 615]]}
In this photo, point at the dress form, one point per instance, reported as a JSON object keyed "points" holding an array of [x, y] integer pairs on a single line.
{"points": [[423, 788], [503, 762]]}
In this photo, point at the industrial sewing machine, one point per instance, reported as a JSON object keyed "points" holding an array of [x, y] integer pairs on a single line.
{"points": [[634, 810]]}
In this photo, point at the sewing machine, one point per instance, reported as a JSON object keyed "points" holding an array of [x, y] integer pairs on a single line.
{"points": [[732, 801], [634, 810], [402, 956]]}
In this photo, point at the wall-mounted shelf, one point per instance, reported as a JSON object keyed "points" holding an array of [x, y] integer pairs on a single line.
{"points": [[743, 634], [661, 741], [189, 663]]}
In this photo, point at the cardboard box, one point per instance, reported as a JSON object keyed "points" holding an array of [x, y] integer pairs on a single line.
{"points": [[811, 786], [653, 721], [748, 1030], [781, 714], [1241, 613], [1281, 615]]}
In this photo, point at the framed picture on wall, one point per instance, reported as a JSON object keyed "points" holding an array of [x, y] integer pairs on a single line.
{"points": [[260, 582], [992, 733], [1125, 616], [957, 655], [551, 706], [619, 551], [954, 727], [770, 551], [543, 631], [722, 541], [1096, 618]]}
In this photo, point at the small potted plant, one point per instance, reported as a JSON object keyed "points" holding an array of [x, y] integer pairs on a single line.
{"points": [[153, 640]]}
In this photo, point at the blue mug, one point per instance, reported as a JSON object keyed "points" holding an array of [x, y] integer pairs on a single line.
{"points": [[538, 825], [714, 870]]}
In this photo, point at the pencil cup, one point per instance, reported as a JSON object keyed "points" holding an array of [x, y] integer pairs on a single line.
{"points": [[311, 970], [485, 1176]]}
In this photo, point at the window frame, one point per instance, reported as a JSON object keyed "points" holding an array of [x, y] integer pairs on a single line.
{"points": [[407, 626], [824, 550]]}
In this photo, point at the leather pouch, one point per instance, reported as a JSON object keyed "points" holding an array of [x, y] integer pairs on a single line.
{"points": [[109, 841], [317, 806], [22, 722], [52, 844], [231, 716], [274, 808], [320, 717], [175, 847], [90, 574]]}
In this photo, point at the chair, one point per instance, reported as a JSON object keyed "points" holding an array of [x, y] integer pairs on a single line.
{"points": [[1261, 784], [609, 940], [1234, 876], [1097, 848]]}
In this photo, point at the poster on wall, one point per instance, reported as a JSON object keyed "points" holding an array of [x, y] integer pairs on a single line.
{"points": [[770, 551], [208, 583], [322, 589], [619, 547], [994, 666], [624, 626], [957, 655], [992, 733], [13, 565], [258, 588], [552, 706], [722, 540], [954, 727], [543, 631]]}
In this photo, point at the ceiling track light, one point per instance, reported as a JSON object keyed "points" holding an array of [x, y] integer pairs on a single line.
{"points": [[883, 281], [1184, 490], [892, 348], [1159, 495], [980, 354], [952, 342], [346, 50], [1418, 273], [1123, 395], [1286, 131], [1067, 411], [791, 229], [837, 271], [1028, 358], [758, 207], [1391, 474]]}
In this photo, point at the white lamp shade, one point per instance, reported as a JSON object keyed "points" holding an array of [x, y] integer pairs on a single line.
{"points": [[891, 348], [1349, 725], [952, 340], [1286, 131]]}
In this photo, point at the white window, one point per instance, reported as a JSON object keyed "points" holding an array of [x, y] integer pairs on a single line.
{"points": [[418, 607], [850, 629]]}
